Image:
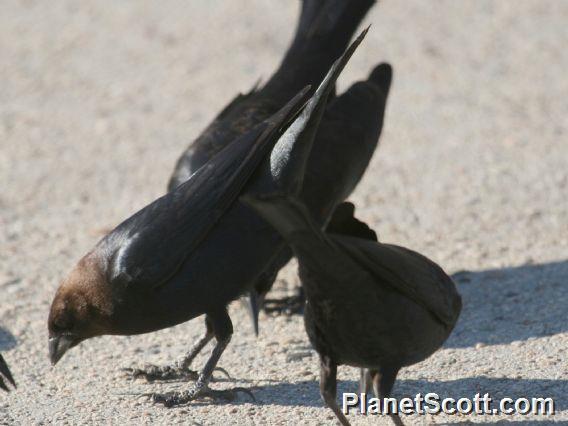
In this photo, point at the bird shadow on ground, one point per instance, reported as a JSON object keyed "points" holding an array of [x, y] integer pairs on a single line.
{"points": [[511, 304], [497, 388], [499, 306], [306, 393], [7, 340]]}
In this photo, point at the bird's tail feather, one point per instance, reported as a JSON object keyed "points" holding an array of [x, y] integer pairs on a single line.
{"points": [[288, 159]]}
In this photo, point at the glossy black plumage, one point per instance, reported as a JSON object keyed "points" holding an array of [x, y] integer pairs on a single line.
{"points": [[344, 145], [347, 136], [189, 252], [371, 305], [324, 30], [5, 375]]}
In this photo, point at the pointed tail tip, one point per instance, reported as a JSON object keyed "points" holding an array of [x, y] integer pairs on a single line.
{"points": [[359, 39], [344, 58], [340, 62]]}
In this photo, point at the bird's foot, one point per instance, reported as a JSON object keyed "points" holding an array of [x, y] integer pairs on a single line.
{"points": [[292, 305], [161, 372], [171, 399], [166, 372]]}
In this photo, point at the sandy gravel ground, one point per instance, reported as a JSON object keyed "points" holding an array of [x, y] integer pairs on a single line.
{"points": [[98, 99]]}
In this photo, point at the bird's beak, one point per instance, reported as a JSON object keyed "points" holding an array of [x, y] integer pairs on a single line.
{"points": [[58, 346]]}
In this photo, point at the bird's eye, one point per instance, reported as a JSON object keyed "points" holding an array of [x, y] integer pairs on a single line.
{"points": [[60, 325]]}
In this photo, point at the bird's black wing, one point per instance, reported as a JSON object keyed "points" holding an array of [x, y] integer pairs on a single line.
{"points": [[323, 33], [241, 115], [408, 272], [5, 374], [150, 246]]}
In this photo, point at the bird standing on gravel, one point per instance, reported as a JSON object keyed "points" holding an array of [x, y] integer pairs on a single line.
{"points": [[147, 273], [161, 266], [5, 375], [371, 305], [346, 139]]}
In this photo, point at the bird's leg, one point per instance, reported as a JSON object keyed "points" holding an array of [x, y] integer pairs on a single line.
{"points": [[222, 330], [5, 372], [383, 382], [328, 387], [365, 380], [180, 369], [291, 305]]}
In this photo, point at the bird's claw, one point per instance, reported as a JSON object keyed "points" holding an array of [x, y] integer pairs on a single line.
{"points": [[228, 394], [172, 399], [222, 370], [165, 372], [169, 399], [291, 305], [154, 372]]}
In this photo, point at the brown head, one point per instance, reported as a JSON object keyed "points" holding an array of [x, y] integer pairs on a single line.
{"points": [[81, 309]]}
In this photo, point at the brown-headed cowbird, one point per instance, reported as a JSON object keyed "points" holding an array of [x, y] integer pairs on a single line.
{"points": [[5, 374], [188, 253], [370, 305], [348, 133]]}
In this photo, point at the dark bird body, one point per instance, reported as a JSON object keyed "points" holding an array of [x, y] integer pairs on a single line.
{"points": [[370, 305], [324, 31], [345, 142], [195, 249], [5, 375]]}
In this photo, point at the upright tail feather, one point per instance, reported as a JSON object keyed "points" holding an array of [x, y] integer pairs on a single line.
{"points": [[283, 173], [288, 159]]}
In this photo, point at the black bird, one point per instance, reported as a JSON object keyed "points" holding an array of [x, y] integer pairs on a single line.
{"points": [[5, 375], [370, 305], [324, 30], [192, 251], [347, 136]]}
